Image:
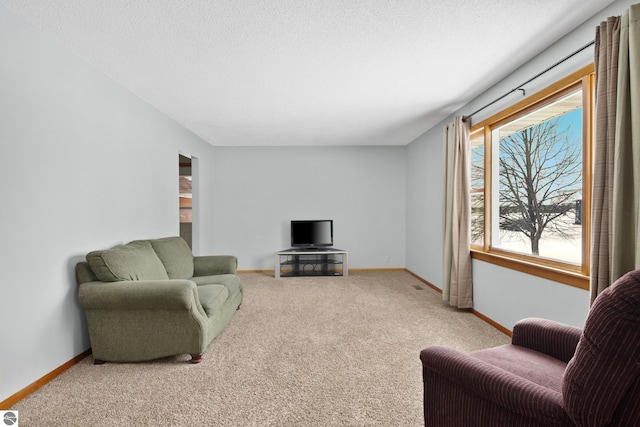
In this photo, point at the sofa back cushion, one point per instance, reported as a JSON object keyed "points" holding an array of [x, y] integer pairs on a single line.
{"points": [[600, 384], [133, 261], [84, 273], [176, 256]]}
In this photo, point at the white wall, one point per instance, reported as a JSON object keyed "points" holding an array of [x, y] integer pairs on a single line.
{"points": [[258, 191], [425, 197], [509, 296], [503, 295], [84, 165]]}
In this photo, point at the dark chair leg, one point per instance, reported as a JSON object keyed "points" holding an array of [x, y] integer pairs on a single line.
{"points": [[196, 358]]}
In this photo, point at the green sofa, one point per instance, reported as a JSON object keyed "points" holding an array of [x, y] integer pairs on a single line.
{"points": [[152, 298]]}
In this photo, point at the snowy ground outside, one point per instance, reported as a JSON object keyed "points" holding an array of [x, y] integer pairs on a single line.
{"points": [[551, 246]]}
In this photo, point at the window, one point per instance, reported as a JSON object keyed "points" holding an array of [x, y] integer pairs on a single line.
{"points": [[477, 188], [530, 183]]}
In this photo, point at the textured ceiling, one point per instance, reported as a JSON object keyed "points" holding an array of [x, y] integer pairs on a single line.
{"points": [[314, 72]]}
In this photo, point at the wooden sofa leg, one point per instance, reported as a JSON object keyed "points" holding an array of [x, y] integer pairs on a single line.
{"points": [[99, 362], [238, 307], [196, 358]]}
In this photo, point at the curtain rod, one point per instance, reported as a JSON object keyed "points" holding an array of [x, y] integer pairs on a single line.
{"points": [[519, 87]]}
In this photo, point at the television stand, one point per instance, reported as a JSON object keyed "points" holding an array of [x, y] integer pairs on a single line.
{"points": [[311, 262]]}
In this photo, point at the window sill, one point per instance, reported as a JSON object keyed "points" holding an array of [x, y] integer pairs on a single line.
{"points": [[557, 275]]}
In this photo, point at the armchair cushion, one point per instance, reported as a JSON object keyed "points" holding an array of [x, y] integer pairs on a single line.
{"points": [[532, 365], [134, 261]]}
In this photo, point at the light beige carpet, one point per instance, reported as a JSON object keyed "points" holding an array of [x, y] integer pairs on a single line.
{"points": [[325, 351]]}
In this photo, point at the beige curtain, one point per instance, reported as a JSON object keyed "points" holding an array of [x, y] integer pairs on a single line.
{"points": [[457, 289], [607, 43], [616, 177]]}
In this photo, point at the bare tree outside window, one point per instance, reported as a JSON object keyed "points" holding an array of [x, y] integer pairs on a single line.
{"points": [[540, 181], [477, 189]]}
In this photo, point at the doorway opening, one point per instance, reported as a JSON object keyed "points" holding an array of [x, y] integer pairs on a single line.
{"points": [[186, 199]]}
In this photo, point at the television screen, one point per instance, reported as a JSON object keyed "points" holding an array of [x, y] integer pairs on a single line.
{"points": [[311, 234]]}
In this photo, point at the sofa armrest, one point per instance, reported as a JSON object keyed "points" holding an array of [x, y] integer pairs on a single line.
{"points": [[548, 337], [507, 390], [214, 264], [173, 294]]}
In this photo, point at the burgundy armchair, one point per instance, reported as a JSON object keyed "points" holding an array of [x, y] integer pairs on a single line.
{"points": [[550, 375]]}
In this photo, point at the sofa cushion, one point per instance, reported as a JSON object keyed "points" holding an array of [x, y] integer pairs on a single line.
{"points": [[175, 254], [230, 281], [212, 297], [133, 261]]}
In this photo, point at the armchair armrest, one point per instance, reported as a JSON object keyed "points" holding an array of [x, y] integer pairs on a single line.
{"points": [[548, 337], [174, 294], [513, 393], [214, 264]]}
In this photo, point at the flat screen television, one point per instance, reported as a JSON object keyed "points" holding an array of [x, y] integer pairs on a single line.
{"points": [[312, 233]]}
